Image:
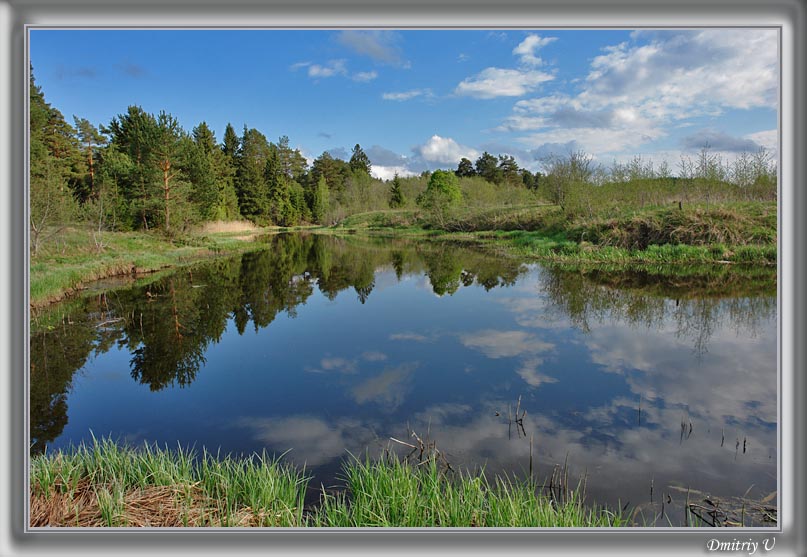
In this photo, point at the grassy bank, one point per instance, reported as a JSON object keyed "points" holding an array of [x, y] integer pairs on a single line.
{"points": [[740, 233], [77, 255], [735, 233], [108, 485]]}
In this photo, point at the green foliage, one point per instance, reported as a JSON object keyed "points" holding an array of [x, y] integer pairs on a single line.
{"points": [[465, 168], [52, 156], [320, 204], [359, 161], [487, 166], [441, 196], [253, 200], [396, 197]]}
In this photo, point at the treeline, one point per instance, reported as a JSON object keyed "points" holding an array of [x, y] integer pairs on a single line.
{"points": [[143, 171]]}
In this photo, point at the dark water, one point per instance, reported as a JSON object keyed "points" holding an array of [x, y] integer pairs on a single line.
{"points": [[319, 346]]}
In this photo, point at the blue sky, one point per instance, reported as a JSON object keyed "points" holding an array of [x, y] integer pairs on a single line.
{"points": [[424, 99]]}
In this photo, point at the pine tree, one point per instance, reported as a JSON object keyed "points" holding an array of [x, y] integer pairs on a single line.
{"points": [[359, 160], [90, 139], [250, 184], [396, 198], [277, 191], [465, 169]]}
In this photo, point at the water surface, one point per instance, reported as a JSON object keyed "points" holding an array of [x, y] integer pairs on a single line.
{"points": [[321, 347]]}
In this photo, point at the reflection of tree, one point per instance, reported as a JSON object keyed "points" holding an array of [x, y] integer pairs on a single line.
{"points": [[58, 348], [693, 302], [168, 324], [169, 348]]}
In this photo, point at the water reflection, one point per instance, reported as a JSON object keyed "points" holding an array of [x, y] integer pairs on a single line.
{"points": [[324, 345]]}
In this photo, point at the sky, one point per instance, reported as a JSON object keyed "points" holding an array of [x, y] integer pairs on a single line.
{"points": [[422, 99]]}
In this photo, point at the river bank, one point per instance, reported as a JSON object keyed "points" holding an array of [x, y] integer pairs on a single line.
{"points": [[737, 235]]}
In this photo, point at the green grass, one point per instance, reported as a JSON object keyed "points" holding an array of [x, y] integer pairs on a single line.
{"points": [[740, 233], [396, 494], [106, 484], [205, 491], [73, 258]]}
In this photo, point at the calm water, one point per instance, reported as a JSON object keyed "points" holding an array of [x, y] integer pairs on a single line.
{"points": [[319, 346]]}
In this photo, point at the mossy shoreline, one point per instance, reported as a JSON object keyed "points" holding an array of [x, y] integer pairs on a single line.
{"points": [[104, 484]]}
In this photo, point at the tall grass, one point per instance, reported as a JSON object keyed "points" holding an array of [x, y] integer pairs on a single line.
{"points": [[105, 484], [398, 494]]}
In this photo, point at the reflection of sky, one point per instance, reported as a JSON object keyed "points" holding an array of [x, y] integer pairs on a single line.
{"points": [[343, 376]]}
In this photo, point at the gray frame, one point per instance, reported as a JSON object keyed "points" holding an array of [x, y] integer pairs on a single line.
{"points": [[787, 15]]}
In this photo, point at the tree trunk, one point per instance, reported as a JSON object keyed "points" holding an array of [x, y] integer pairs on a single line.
{"points": [[166, 191]]}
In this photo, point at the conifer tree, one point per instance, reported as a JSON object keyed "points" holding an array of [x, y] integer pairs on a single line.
{"points": [[396, 198]]}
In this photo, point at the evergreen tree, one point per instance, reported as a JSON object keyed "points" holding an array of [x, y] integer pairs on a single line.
{"points": [[167, 151], [508, 170], [231, 143], [135, 134], [335, 171], [396, 198], [465, 169], [250, 184], [359, 160], [90, 139], [487, 166], [277, 191]]}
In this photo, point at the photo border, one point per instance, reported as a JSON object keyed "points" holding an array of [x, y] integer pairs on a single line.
{"points": [[16, 19]]}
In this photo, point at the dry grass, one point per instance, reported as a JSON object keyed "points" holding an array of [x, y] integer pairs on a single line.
{"points": [[227, 226], [93, 506]]}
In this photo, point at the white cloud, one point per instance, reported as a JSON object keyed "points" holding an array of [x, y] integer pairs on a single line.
{"points": [[389, 172], [530, 374], [406, 95], [364, 77], [498, 82], [505, 344], [333, 68], [528, 47], [389, 388], [444, 150], [767, 138], [634, 93]]}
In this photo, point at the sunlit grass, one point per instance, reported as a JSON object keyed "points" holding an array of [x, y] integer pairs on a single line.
{"points": [[78, 255], [393, 493], [106, 484]]}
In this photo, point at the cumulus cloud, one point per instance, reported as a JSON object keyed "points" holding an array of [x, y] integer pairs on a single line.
{"points": [[499, 82], [636, 90], [388, 172], [526, 50], [444, 150]]}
